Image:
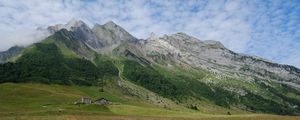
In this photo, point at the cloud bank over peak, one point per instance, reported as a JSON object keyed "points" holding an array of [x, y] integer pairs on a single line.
{"points": [[269, 29]]}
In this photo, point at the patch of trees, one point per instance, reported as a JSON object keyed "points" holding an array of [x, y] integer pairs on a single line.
{"points": [[282, 91], [258, 103], [192, 87], [149, 78], [106, 66]]}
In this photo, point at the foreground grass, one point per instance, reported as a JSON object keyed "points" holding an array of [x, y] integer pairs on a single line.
{"points": [[117, 117], [55, 102]]}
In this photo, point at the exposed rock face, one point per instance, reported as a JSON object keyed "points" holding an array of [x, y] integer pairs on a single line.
{"points": [[214, 57], [74, 42], [71, 24], [81, 32], [112, 35], [101, 38]]}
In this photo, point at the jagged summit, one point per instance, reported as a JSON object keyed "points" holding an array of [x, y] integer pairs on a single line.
{"points": [[75, 23], [110, 24], [182, 37], [214, 43], [71, 25], [112, 34], [181, 34], [152, 36], [100, 37]]}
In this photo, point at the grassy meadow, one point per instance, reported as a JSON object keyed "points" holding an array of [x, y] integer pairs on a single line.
{"points": [[55, 102]]}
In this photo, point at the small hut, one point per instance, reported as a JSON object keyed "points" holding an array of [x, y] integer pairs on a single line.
{"points": [[102, 101], [86, 100]]}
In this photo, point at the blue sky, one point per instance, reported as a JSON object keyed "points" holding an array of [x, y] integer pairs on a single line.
{"points": [[265, 28]]}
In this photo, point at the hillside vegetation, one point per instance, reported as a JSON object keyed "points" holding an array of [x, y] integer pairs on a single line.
{"points": [[40, 101]]}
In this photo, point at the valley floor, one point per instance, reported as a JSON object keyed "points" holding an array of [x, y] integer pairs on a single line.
{"points": [[55, 102]]}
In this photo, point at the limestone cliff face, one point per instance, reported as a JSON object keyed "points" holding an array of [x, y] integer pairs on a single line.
{"points": [[214, 57], [112, 35]]}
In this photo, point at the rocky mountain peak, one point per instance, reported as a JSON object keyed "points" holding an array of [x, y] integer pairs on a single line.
{"points": [[181, 35], [108, 35], [75, 23], [110, 24], [111, 34], [216, 44], [183, 39], [71, 26], [152, 36], [81, 31], [113, 28]]}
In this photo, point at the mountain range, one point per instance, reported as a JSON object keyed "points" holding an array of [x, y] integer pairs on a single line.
{"points": [[172, 71]]}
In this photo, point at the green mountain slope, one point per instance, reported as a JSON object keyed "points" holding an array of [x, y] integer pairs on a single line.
{"points": [[182, 88], [46, 62]]}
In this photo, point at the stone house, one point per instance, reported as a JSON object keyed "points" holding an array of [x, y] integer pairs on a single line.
{"points": [[102, 101], [86, 100]]}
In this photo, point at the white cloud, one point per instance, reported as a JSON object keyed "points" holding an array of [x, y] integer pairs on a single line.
{"points": [[265, 28]]}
